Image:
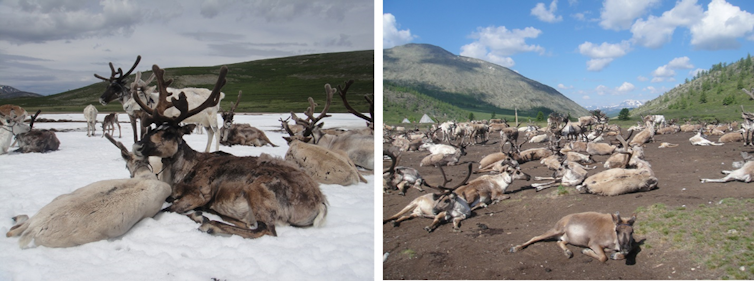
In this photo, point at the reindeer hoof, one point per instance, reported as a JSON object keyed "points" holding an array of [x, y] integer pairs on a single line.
{"points": [[428, 229], [396, 224], [457, 230], [617, 256], [568, 253], [514, 249]]}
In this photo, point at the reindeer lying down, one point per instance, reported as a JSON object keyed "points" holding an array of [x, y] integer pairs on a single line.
{"points": [[100, 210]]}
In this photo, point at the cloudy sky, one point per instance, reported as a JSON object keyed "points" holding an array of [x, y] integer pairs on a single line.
{"points": [[51, 46], [594, 52]]}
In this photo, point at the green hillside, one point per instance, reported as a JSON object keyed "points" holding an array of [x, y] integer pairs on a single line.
{"points": [[712, 95], [272, 85]]}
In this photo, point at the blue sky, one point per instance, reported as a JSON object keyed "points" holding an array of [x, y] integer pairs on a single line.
{"points": [[594, 52]]}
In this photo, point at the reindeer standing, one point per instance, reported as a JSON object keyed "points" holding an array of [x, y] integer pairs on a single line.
{"points": [[118, 89]]}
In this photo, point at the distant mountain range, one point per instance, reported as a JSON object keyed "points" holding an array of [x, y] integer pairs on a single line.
{"points": [[8, 92], [613, 110]]}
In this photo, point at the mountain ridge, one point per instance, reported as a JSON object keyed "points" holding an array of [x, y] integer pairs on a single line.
{"points": [[469, 83]]}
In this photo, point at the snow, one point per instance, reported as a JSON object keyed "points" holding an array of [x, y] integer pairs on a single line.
{"points": [[169, 246]]}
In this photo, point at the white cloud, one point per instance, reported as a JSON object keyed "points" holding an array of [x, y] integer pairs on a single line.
{"points": [[601, 90], [497, 44], [620, 14], [721, 26], [564, 87], [655, 91], [663, 71], [654, 32], [625, 87], [680, 63], [666, 73], [585, 97], [546, 15], [391, 36], [642, 78], [601, 55]]}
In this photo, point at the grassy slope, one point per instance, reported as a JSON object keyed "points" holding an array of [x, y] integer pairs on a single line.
{"points": [[721, 82], [272, 85]]}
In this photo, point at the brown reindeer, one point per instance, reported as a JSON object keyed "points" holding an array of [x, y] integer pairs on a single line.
{"points": [[240, 134], [398, 177], [598, 232], [37, 140], [111, 120], [252, 193]]}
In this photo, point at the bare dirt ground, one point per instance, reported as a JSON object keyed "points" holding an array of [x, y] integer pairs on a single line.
{"points": [[480, 251]]}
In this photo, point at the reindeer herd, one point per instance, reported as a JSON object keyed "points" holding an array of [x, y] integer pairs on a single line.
{"points": [[566, 148], [251, 194]]}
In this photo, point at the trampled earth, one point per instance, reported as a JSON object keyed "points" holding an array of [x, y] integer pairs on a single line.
{"points": [[481, 249]]}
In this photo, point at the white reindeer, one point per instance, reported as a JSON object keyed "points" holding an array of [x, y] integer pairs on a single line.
{"points": [[195, 96], [698, 139], [101, 210], [90, 114], [10, 125]]}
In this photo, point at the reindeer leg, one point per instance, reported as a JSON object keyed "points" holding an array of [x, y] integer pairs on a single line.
{"points": [[547, 235], [436, 222], [595, 251], [566, 251]]}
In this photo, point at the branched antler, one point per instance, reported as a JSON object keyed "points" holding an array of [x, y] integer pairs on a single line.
{"points": [[310, 123], [342, 91], [181, 103], [120, 73]]}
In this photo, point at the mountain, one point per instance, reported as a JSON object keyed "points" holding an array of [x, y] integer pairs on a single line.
{"points": [[613, 110], [711, 96], [470, 84], [8, 92]]}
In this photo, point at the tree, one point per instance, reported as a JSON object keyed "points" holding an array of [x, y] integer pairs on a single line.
{"points": [[493, 115], [540, 116], [729, 99], [623, 115], [471, 116], [703, 97]]}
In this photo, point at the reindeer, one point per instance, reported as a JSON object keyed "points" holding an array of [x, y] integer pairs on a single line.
{"points": [[117, 88], [10, 126], [598, 232], [744, 172], [645, 135], [90, 114], [490, 189], [620, 181], [111, 120], [324, 165], [698, 139], [195, 96], [398, 177], [736, 136], [358, 147], [37, 140], [655, 120], [253, 193], [98, 211], [240, 134], [442, 207], [568, 173]]}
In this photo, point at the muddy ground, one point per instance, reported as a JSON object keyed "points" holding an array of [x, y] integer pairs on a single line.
{"points": [[480, 251]]}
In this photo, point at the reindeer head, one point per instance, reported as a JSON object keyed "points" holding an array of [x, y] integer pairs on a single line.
{"points": [[311, 123], [165, 140], [624, 229], [117, 87], [133, 163]]}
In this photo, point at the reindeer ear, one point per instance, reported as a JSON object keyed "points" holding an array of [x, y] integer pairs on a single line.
{"points": [[632, 219], [287, 139], [616, 217]]}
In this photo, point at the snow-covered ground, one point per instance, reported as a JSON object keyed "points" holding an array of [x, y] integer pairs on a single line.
{"points": [[169, 246]]}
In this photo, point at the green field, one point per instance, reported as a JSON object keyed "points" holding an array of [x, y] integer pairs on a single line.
{"points": [[272, 85]]}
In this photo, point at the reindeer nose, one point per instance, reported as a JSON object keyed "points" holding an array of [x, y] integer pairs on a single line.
{"points": [[102, 101]]}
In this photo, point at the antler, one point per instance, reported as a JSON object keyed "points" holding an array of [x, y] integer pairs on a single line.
{"points": [[342, 93], [393, 160], [34, 117], [119, 72], [233, 106], [158, 113], [310, 123], [446, 181]]}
